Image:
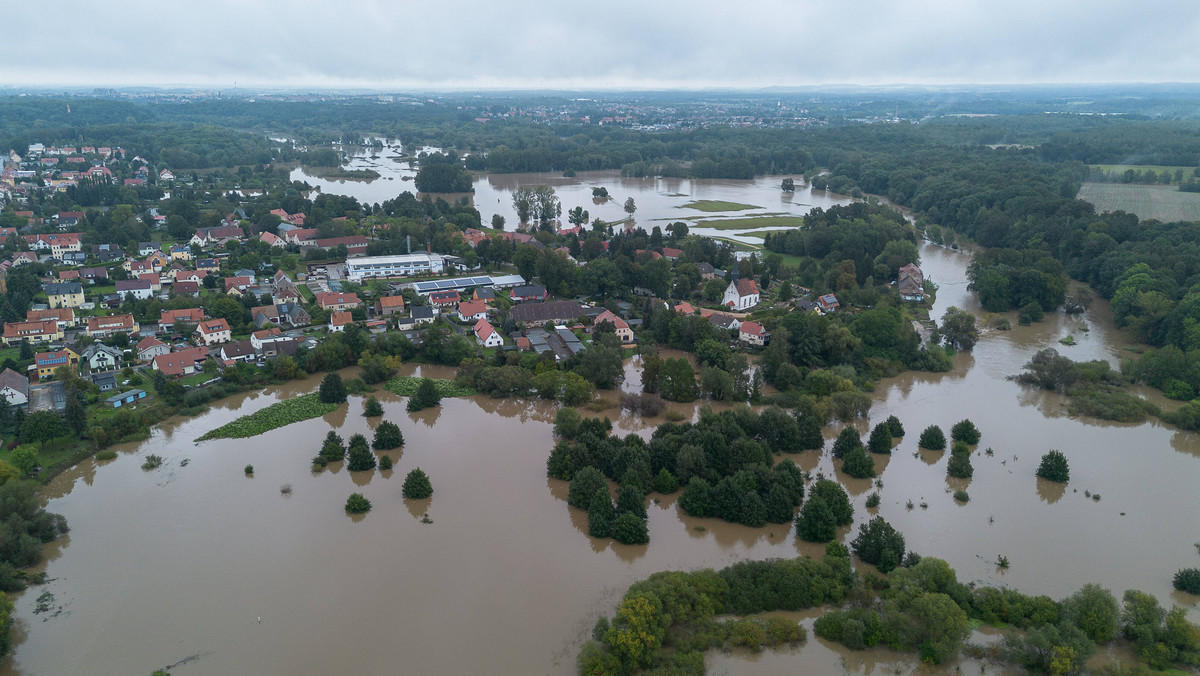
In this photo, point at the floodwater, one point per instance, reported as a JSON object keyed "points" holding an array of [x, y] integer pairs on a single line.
{"points": [[659, 201], [200, 564]]}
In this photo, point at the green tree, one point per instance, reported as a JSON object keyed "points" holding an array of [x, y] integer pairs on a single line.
{"points": [[1187, 580], [858, 463], [1049, 649], [359, 458], [630, 529], [332, 390], [1095, 611], [965, 431], [879, 544], [959, 466], [788, 185], [1054, 467], [600, 514], [810, 438], [333, 449], [631, 499], [372, 408], [25, 459], [417, 485], [665, 482], [848, 439], [835, 497], [583, 487], [357, 503], [427, 396], [677, 380], [933, 438], [880, 440], [816, 522], [387, 436], [958, 329], [696, 498], [42, 426], [896, 426]]}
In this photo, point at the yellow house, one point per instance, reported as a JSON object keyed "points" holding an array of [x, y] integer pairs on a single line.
{"points": [[64, 294], [47, 362]]}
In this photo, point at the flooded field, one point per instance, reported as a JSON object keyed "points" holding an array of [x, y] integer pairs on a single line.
{"points": [[196, 561], [659, 200]]}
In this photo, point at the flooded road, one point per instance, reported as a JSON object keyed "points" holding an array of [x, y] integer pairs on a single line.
{"points": [[183, 561]]}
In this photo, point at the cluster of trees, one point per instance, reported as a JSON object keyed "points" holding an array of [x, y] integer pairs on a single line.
{"points": [[724, 461], [534, 375], [442, 173], [667, 621]]}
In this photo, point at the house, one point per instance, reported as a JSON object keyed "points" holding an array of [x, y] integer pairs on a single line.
{"points": [[260, 338], [472, 310], [69, 219], [158, 260], [166, 175], [487, 336], [101, 357], [196, 276], [124, 398], [389, 305], [210, 236], [147, 248], [356, 245], [301, 236], [241, 350], [338, 321], [424, 314], [539, 314], [911, 283], [64, 294], [444, 298], [208, 265], [336, 301], [238, 284], [65, 317], [741, 294], [214, 331], [672, 254], [528, 292], [271, 239], [620, 326], [138, 288], [154, 279], [828, 302], [186, 289], [753, 333], [94, 275], [14, 387], [47, 362], [107, 382], [151, 347], [684, 308], [724, 321], [484, 293], [182, 363], [401, 265], [181, 253], [166, 322], [42, 331], [280, 314], [103, 327]]}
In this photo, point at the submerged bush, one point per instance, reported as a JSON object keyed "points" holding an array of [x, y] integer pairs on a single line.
{"points": [[358, 504], [933, 438], [1054, 467]]}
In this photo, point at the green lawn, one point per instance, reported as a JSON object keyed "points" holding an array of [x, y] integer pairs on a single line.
{"points": [[752, 222], [1158, 169], [1162, 202], [717, 205]]}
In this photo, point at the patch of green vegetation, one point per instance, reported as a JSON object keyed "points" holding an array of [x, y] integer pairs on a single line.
{"points": [[752, 222], [352, 174], [274, 416], [406, 386], [717, 205]]}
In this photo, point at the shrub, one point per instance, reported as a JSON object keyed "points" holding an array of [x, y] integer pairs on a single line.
{"points": [[880, 440], [932, 438], [835, 496], [696, 498], [372, 408], [417, 485], [1188, 580], [358, 504], [1054, 467], [873, 501], [387, 436], [962, 496], [600, 514], [385, 462], [895, 426], [960, 448], [665, 482], [816, 521], [645, 405], [152, 462], [107, 454], [249, 469], [426, 396], [332, 390], [965, 431], [332, 449], [879, 544], [1094, 610]]}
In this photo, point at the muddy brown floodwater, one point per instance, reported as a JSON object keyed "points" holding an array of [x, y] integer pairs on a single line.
{"points": [[184, 561]]}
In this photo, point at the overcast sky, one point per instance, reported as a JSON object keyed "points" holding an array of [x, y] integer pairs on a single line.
{"points": [[398, 44]]}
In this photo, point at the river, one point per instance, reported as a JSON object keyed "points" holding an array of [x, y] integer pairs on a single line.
{"points": [[659, 200], [199, 561]]}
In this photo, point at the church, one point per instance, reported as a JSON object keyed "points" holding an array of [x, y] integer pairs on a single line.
{"points": [[741, 294]]}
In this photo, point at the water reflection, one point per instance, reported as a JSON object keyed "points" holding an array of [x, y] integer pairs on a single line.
{"points": [[1050, 492]]}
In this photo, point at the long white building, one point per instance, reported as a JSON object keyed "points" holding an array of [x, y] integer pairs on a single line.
{"points": [[404, 265]]}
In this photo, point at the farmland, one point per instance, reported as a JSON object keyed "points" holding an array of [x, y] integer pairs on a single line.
{"points": [[1161, 202]]}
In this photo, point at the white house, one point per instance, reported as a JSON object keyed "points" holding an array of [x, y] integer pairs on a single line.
{"points": [[741, 294], [487, 336], [14, 387], [213, 331], [140, 289], [100, 357]]}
